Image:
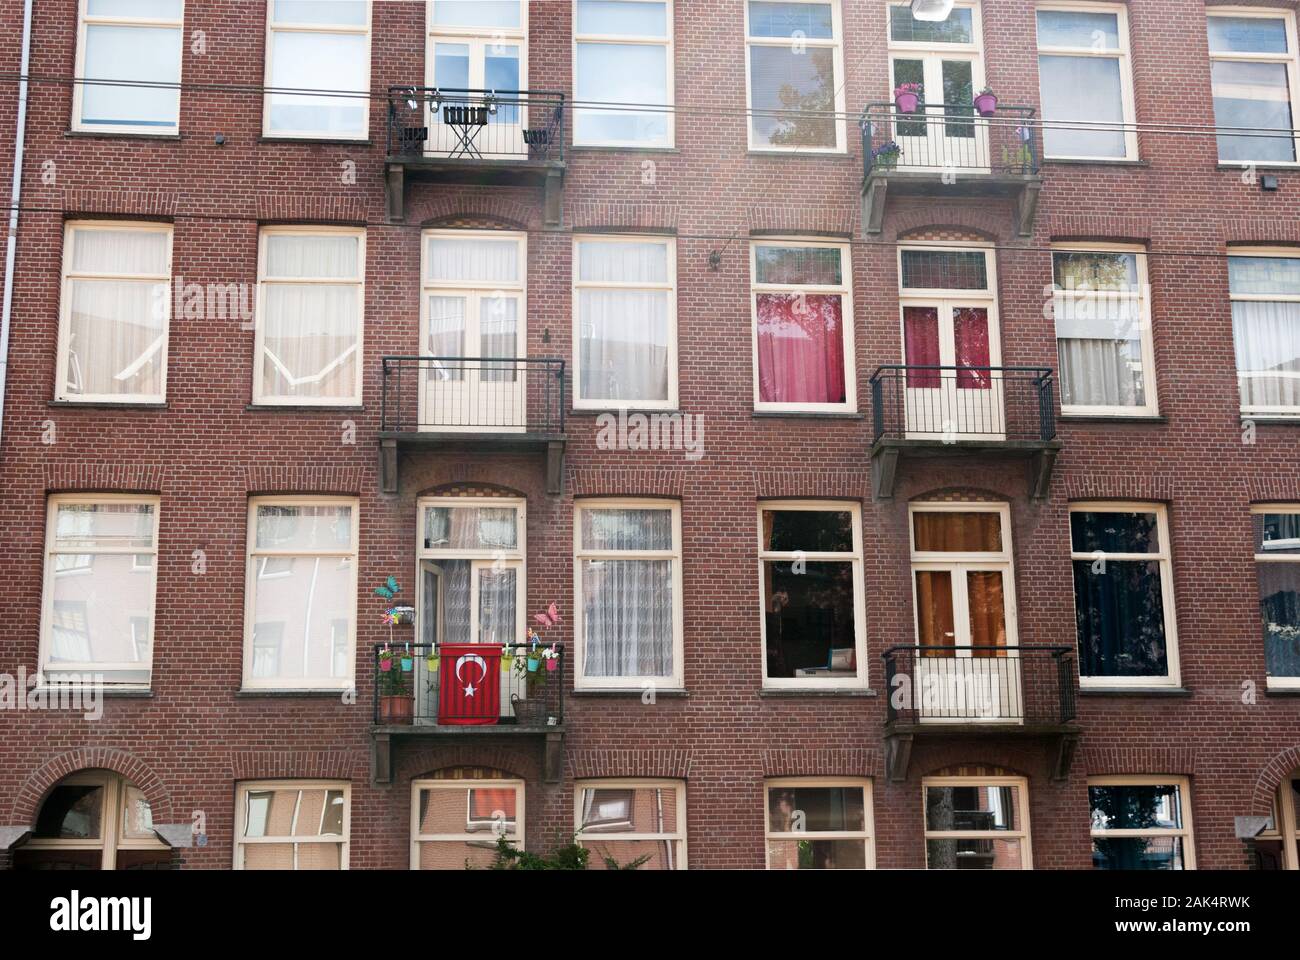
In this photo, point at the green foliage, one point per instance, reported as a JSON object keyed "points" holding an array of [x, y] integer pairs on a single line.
{"points": [[571, 856]]}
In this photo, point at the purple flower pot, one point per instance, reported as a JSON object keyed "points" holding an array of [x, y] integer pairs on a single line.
{"points": [[986, 103], [906, 102]]}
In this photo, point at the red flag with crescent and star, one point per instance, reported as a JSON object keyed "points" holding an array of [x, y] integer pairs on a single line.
{"points": [[469, 683]]}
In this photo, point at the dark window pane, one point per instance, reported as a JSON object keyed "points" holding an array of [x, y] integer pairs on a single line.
{"points": [[815, 809], [970, 854], [1137, 853], [813, 531], [1114, 533], [910, 71], [1119, 610], [1277, 533], [809, 619], [972, 807], [813, 854], [1130, 806], [1279, 614], [71, 812], [958, 95], [903, 26], [944, 270]]}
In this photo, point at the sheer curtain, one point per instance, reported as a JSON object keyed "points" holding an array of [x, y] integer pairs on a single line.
{"points": [[1267, 337], [624, 339], [471, 260], [800, 348], [1100, 351], [1084, 91]]}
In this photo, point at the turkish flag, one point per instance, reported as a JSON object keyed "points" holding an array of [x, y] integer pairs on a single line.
{"points": [[469, 683]]}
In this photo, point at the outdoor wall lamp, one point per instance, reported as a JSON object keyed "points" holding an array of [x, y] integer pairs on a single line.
{"points": [[931, 9]]}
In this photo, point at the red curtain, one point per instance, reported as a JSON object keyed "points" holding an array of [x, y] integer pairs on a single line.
{"points": [[970, 327], [921, 345], [800, 348]]}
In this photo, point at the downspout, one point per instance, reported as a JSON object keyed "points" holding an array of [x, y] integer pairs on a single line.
{"points": [[11, 245]]}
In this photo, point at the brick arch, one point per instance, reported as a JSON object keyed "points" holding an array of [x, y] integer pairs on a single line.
{"points": [[522, 762], [458, 488], [975, 770], [1271, 777], [444, 210], [959, 495], [958, 223], [30, 796], [428, 474]]}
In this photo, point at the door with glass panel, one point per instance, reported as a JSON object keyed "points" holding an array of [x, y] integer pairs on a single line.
{"points": [[480, 46], [967, 664]]}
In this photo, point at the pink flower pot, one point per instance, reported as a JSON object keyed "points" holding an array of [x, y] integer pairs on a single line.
{"points": [[552, 664], [986, 104], [385, 665], [907, 102]]}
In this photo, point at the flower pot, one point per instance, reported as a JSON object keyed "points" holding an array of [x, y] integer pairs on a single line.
{"points": [[906, 102], [986, 104], [887, 161], [552, 664], [396, 709], [431, 663], [385, 665], [533, 663], [408, 664], [530, 713], [507, 661]]}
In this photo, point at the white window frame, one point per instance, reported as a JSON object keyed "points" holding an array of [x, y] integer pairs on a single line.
{"points": [[1278, 253], [1291, 59], [273, 27], [259, 337], [844, 290], [508, 783], [1173, 676], [253, 562], [45, 668], [245, 787], [1183, 784], [1286, 821], [1143, 296], [1127, 100], [867, 836], [924, 49], [854, 508], [677, 838], [475, 290], [836, 45], [61, 392], [1023, 834], [637, 683], [1275, 683], [112, 834], [670, 286], [478, 37], [85, 19], [668, 42]]}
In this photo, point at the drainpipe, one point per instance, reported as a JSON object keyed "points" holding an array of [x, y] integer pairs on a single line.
{"points": [[11, 246]]}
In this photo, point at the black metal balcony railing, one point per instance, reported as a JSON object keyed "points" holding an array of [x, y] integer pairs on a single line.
{"points": [[949, 137], [1031, 684], [456, 124], [519, 690], [468, 394], [953, 403]]}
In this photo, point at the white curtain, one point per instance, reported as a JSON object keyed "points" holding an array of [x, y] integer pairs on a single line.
{"points": [[1084, 91], [624, 332], [1267, 336], [497, 595], [1100, 346], [455, 601], [471, 260], [446, 336]]}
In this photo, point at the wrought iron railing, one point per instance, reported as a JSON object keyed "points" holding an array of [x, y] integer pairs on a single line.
{"points": [[949, 138], [457, 124], [1028, 684], [473, 394], [962, 403], [469, 684]]}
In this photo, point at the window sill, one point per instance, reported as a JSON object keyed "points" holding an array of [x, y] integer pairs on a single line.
{"points": [[110, 135], [303, 408], [1134, 692], [319, 141], [625, 692], [1243, 165], [806, 415], [1272, 420], [627, 411], [1272, 691], [114, 693], [244, 693], [785, 692], [1111, 418], [805, 154], [1094, 162], [602, 148], [110, 404]]}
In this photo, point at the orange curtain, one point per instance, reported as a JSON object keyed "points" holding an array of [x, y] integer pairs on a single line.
{"points": [[988, 622], [974, 532], [934, 611]]}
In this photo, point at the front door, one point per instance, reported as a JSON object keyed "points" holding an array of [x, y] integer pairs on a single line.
{"points": [[944, 133], [963, 401], [472, 381]]}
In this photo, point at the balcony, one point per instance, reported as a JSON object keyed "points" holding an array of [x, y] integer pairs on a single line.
{"points": [[946, 150], [485, 404], [921, 411], [456, 694], [970, 691], [445, 135]]}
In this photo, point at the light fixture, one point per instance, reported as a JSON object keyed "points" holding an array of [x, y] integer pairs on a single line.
{"points": [[934, 10]]}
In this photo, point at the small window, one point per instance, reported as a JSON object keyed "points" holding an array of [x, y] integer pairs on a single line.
{"points": [[803, 327], [628, 573], [1264, 286], [625, 304], [93, 820], [323, 46], [1277, 565], [632, 821], [100, 581], [1102, 308], [976, 823], [292, 825], [297, 616], [623, 54], [311, 284], [1141, 823], [140, 44], [455, 824], [810, 556], [1085, 82], [114, 312], [1123, 595], [796, 75], [1253, 82], [819, 824]]}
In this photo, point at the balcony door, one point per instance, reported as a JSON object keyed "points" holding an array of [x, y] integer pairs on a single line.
{"points": [[477, 47], [473, 332], [967, 664]]}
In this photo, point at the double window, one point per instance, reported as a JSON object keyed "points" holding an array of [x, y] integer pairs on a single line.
{"points": [[1277, 562], [456, 823], [292, 825], [1264, 286], [976, 823], [1253, 82], [816, 823], [94, 820], [1141, 823], [139, 43], [623, 56], [627, 821], [796, 75], [322, 47]]}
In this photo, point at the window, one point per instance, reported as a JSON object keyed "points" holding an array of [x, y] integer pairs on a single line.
{"points": [[803, 327], [1123, 595], [1277, 563], [1141, 823], [814, 615], [819, 824], [479, 45], [1253, 81], [455, 824], [138, 42], [1085, 83], [292, 825], [93, 820], [632, 820], [625, 302], [1103, 330], [796, 76], [301, 593], [321, 46], [623, 55], [311, 282], [100, 580], [628, 585], [1264, 286], [114, 312], [977, 823]]}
